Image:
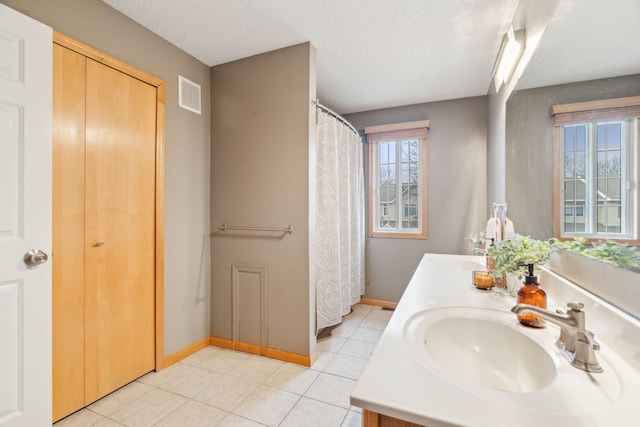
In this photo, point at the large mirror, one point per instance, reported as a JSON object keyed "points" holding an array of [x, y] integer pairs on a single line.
{"points": [[586, 40], [590, 50]]}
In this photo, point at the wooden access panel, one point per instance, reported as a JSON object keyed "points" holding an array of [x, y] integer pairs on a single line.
{"points": [[249, 296]]}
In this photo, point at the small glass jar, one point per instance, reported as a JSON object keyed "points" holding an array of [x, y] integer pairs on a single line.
{"points": [[482, 279]]}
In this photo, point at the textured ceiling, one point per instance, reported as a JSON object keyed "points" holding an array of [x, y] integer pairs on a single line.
{"points": [[375, 54], [370, 53]]}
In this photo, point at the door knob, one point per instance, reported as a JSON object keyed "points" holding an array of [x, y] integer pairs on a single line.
{"points": [[35, 257]]}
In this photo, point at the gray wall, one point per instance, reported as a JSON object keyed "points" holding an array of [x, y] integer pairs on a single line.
{"points": [[456, 189], [262, 128], [529, 146], [533, 16], [187, 260]]}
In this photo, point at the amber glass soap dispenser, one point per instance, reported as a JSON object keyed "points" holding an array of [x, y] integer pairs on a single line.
{"points": [[531, 294], [488, 263]]}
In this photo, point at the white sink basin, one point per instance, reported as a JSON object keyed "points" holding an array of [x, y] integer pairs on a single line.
{"points": [[483, 347]]}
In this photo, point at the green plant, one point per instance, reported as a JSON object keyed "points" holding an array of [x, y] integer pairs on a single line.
{"points": [[477, 240], [513, 255], [576, 245], [609, 251]]}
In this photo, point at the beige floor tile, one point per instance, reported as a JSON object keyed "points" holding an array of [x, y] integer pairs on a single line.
{"points": [[330, 343], [322, 360], [267, 405], [332, 389], [226, 392], [262, 391], [233, 420], [106, 422], [313, 413], [186, 380], [119, 398], [153, 378], [360, 310], [201, 355], [373, 323], [346, 366], [293, 378], [353, 419], [223, 361], [366, 334], [380, 313], [377, 318], [82, 418], [347, 327], [193, 414], [352, 320], [355, 348], [256, 368], [343, 330], [148, 409]]}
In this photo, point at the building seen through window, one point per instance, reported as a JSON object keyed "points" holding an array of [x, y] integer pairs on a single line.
{"points": [[397, 180], [596, 173]]}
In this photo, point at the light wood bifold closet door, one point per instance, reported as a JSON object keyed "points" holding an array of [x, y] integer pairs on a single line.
{"points": [[104, 230], [68, 230]]}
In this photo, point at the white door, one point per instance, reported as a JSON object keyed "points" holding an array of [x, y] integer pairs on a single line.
{"points": [[25, 220]]}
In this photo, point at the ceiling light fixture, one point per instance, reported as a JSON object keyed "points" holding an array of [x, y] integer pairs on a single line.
{"points": [[510, 52]]}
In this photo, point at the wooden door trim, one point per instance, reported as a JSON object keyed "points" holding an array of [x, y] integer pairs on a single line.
{"points": [[159, 84], [160, 117], [105, 59]]}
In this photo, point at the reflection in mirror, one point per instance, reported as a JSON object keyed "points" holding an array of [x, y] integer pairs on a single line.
{"points": [[594, 170], [589, 51]]}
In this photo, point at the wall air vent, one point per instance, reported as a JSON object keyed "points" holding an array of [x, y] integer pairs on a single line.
{"points": [[189, 95]]}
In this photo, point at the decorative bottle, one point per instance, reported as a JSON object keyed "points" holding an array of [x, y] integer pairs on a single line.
{"points": [[531, 294]]}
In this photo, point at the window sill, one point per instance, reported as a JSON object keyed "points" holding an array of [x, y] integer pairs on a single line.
{"points": [[595, 239], [392, 235]]}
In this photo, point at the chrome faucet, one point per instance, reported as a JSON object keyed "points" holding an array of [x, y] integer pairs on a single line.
{"points": [[576, 343]]}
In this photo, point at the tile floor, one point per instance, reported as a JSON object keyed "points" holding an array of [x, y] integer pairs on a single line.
{"points": [[220, 387]]}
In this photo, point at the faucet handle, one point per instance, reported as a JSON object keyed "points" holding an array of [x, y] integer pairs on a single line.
{"points": [[587, 337], [575, 306], [585, 356]]}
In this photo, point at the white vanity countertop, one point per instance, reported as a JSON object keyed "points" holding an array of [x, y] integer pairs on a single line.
{"points": [[396, 384]]}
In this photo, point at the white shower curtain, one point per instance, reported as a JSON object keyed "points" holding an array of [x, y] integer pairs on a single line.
{"points": [[339, 220]]}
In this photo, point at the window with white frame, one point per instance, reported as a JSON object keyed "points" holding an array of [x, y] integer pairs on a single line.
{"points": [[397, 180], [596, 170]]}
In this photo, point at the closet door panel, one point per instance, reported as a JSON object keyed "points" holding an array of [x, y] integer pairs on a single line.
{"points": [[120, 229], [68, 231]]}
